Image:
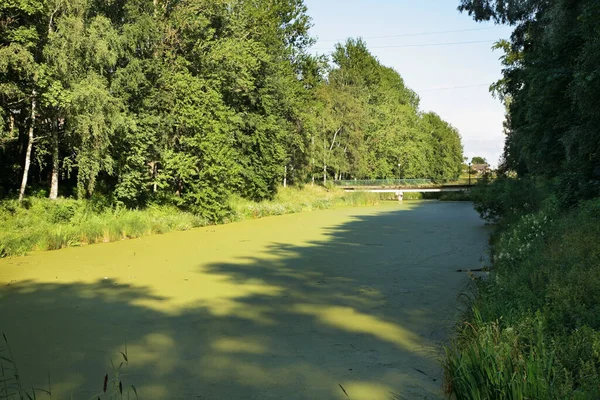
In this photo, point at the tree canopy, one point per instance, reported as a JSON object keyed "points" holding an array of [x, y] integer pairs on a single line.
{"points": [[551, 87], [478, 160], [188, 102]]}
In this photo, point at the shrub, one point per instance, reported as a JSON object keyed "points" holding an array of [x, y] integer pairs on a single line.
{"points": [[62, 211], [455, 196], [508, 198]]}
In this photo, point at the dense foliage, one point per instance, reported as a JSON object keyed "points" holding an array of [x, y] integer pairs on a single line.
{"points": [[532, 330], [505, 199], [370, 127], [551, 86], [188, 102]]}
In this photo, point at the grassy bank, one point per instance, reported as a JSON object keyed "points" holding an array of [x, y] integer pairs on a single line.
{"points": [[292, 200], [41, 224], [441, 196], [532, 330]]}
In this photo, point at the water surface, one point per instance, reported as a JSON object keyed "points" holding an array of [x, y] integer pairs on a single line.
{"points": [[287, 307]]}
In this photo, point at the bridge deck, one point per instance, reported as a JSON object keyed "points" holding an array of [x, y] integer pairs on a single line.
{"points": [[408, 189], [407, 183]]}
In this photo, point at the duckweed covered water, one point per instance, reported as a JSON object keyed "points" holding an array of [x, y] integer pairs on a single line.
{"points": [[292, 307]]}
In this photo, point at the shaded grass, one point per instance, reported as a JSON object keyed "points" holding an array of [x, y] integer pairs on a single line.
{"points": [[455, 196], [41, 224], [11, 386], [532, 330]]}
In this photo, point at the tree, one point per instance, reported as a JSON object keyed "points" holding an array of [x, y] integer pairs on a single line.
{"points": [[478, 160], [80, 54], [20, 45], [189, 102], [550, 85], [371, 126]]}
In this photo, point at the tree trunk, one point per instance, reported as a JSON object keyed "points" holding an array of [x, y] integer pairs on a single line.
{"points": [[55, 128], [325, 156], [153, 173], [55, 165], [155, 185], [285, 177], [29, 147], [313, 160], [324, 163], [334, 137], [11, 125]]}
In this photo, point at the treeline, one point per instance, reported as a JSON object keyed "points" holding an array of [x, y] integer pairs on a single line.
{"points": [[532, 330], [186, 102], [551, 86]]}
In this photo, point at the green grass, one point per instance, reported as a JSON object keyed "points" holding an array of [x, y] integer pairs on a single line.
{"points": [[41, 224], [292, 200], [532, 330], [441, 196]]}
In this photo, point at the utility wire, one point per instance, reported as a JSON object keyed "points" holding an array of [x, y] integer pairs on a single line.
{"points": [[420, 45], [417, 34], [452, 87]]}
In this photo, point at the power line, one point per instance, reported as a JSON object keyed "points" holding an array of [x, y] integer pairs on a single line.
{"points": [[417, 34], [452, 87], [432, 44], [420, 45]]}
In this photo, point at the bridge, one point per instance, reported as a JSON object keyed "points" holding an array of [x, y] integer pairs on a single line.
{"points": [[401, 186]]}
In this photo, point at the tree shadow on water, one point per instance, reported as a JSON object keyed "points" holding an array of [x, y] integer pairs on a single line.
{"points": [[358, 314]]}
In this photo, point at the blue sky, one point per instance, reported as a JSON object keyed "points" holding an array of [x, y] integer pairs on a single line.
{"points": [[429, 70]]}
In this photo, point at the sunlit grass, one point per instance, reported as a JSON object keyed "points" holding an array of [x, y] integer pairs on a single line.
{"points": [[51, 225], [42, 224], [291, 200]]}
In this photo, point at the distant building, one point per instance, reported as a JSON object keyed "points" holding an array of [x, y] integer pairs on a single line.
{"points": [[480, 169]]}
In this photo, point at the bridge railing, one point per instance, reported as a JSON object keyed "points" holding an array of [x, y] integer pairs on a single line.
{"points": [[405, 182]]}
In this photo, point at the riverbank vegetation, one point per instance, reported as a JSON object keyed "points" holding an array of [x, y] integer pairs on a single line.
{"points": [[42, 224], [532, 329], [191, 104], [441, 196]]}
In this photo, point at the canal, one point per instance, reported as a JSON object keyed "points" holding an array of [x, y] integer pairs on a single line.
{"points": [[335, 304]]}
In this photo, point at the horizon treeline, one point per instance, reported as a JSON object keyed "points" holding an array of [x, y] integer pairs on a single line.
{"points": [[188, 102], [551, 88]]}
